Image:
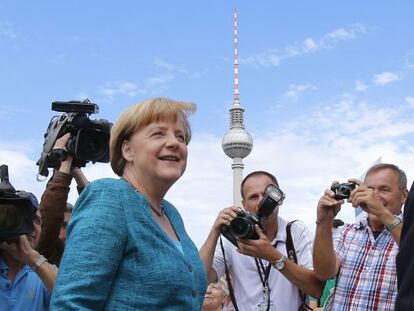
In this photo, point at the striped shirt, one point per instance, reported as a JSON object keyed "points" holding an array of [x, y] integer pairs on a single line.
{"points": [[367, 278]]}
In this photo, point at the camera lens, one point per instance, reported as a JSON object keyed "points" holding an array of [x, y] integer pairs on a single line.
{"points": [[15, 218], [241, 227], [9, 218], [93, 145], [344, 191]]}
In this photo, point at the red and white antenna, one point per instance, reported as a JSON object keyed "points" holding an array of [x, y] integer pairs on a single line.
{"points": [[236, 61]]}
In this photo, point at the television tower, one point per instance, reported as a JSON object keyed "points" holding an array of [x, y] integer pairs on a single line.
{"points": [[237, 142]]}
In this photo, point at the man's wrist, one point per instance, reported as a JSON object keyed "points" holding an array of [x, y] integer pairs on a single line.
{"points": [[32, 258], [385, 216], [392, 225], [327, 218], [280, 263], [65, 166], [277, 255], [38, 263]]}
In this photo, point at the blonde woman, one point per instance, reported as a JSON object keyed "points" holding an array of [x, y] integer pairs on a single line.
{"points": [[127, 248]]}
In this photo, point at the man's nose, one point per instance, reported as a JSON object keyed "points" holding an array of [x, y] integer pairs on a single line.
{"points": [[376, 191]]}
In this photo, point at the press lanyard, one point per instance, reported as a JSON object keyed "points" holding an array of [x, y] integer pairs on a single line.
{"points": [[264, 273], [264, 278]]}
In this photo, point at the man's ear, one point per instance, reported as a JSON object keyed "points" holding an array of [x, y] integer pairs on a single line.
{"points": [[127, 152], [405, 196]]}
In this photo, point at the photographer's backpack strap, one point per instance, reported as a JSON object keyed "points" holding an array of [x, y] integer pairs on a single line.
{"points": [[291, 252]]}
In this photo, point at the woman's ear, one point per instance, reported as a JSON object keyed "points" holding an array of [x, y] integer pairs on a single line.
{"points": [[127, 152]]}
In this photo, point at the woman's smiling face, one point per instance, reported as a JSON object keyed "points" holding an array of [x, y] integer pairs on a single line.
{"points": [[158, 150]]}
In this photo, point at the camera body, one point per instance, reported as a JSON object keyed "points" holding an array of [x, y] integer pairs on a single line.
{"points": [[89, 138], [17, 209], [343, 191], [243, 226]]}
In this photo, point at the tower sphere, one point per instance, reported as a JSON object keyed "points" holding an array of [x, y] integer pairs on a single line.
{"points": [[237, 143]]}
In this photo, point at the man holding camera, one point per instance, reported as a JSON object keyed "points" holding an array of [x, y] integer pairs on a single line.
{"points": [[26, 278], [362, 256], [262, 276]]}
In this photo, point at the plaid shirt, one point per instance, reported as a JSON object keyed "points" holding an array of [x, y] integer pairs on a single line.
{"points": [[367, 278]]}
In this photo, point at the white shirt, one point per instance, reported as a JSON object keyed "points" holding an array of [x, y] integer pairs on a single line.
{"points": [[248, 288]]}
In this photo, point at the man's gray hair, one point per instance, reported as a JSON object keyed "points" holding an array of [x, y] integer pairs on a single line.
{"points": [[402, 177]]}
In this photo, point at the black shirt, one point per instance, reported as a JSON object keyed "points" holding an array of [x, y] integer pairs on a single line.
{"points": [[405, 258]]}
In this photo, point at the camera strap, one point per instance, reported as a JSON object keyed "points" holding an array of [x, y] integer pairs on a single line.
{"points": [[264, 277], [290, 248], [228, 280]]}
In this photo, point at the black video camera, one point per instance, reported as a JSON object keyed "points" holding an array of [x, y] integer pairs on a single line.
{"points": [[89, 138], [17, 209], [243, 226], [343, 191]]}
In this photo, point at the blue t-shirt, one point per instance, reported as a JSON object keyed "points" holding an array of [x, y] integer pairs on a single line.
{"points": [[26, 293], [117, 257]]}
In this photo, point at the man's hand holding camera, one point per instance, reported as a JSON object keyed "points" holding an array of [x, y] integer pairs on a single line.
{"points": [[366, 198], [21, 250], [65, 165], [328, 206], [225, 217], [261, 248]]}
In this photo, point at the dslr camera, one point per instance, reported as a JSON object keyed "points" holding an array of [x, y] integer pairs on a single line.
{"points": [[89, 138], [343, 191], [243, 226], [17, 209]]}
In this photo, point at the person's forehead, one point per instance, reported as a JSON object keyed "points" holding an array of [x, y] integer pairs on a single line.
{"points": [[384, 176], [165, 123], [257, 183]]}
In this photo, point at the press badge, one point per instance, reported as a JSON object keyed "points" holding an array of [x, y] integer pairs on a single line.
{"points": [[262, 306]]}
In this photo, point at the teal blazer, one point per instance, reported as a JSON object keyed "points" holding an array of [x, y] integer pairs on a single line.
{"points": [[118, 258]]}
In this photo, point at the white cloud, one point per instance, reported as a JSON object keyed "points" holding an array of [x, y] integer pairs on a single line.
{"points": [[274, 57], [132, 89], [351, 32], [360, 86], [385, 78], [296, 89], [120, 88], [152, 82], [310, 44], [410, 101], [163, 64]]}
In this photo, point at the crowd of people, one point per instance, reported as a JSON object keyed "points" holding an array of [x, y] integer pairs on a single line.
{"points": [[124, 247]]}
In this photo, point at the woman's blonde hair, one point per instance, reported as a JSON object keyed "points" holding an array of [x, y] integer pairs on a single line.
{"points": [[139, 115]]}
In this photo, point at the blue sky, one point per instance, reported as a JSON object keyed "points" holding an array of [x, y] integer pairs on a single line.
{"points": [[327, 86]]}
